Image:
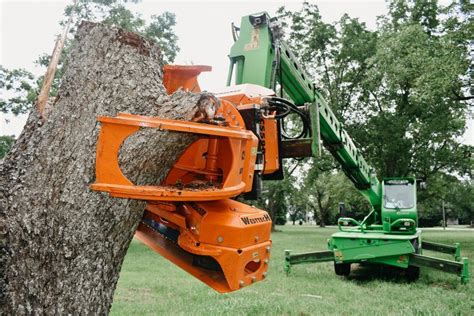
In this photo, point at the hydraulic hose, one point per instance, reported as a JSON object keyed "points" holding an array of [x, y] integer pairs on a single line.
{"points": [[284, 108]]}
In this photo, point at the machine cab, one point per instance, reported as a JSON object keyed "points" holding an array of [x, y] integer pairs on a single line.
{"points": [[399, 212]]}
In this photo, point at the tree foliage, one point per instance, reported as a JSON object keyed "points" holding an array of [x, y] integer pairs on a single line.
{"points": [[400, 86], [457, 196], [403, 90], [323, 191], [279, 196], [6, 142], [461, 197], [276, 200], [21, 87]]}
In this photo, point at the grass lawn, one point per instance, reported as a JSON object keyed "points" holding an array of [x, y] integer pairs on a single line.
{"points": [[150, 285]]}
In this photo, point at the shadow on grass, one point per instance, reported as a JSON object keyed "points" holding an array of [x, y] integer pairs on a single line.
{"points": [[364, 273]]}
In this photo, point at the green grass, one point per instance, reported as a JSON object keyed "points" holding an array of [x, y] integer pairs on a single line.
{"points": [[150, 285]]}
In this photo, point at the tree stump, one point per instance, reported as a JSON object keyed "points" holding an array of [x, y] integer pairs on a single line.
{"points": [[62, 245]]}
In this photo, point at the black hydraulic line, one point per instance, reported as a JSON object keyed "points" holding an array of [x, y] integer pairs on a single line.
{"points": [[302, 134], [285, 108], [288, 107], [294, 108]]}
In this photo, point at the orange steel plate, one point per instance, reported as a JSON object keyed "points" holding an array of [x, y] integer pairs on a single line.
{"points": [[183, 77], [166, 193], [181, 258], [175, 125], [115, 130]]}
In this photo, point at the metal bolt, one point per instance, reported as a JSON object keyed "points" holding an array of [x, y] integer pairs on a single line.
{"points": [[241, 283], [269, 248], [254, 279], [264, 274], [256, 238], [220, 239], [265, 261]]}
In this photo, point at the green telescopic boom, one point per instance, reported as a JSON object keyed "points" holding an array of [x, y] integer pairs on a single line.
{"points": [[260, 57], [389, 234]]}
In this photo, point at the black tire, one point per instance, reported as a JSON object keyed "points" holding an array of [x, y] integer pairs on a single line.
{"points": [[412, 273], [343, 269]]}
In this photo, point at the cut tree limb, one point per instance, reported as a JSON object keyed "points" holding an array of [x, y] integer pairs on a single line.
{"points": [[62, 245], [53, 64]]}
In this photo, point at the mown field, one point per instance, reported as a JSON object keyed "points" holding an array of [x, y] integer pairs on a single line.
{"points": [[150, 285]]}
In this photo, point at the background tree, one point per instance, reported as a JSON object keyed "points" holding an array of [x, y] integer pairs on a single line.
{"points": [[298, 208], [402, 90], [463, 202], [6, 142], [21, 87], [316, 190], [277, 197], [454, 192], [19, 90], [296, 213], [355, 205]]}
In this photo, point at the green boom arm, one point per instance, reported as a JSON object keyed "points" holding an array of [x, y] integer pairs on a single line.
{"points": [[259, 57]]}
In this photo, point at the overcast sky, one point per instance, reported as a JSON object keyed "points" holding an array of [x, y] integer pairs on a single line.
{"points": [[28, 29]]}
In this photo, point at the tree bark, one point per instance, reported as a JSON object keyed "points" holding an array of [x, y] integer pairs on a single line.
{"points": [[61, 244]]}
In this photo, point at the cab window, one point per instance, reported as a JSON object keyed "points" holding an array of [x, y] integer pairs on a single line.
{"points": [[399, 196]]}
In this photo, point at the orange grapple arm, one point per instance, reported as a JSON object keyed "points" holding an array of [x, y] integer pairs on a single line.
{"points": [[191, 218]]}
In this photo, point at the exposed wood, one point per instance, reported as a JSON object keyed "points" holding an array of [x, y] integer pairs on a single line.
{"points": [[53, 64]]}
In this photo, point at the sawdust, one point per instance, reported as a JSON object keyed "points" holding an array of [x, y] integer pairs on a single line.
{"points": [[194, 186]]}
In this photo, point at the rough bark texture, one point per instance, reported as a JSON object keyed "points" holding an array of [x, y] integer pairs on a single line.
{"points": [[62, 245]]}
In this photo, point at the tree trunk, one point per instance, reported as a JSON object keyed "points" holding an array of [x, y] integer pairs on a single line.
{"points": [[319, 197], [272, 211], [323, 210], [322, 224], [62, 245]]}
